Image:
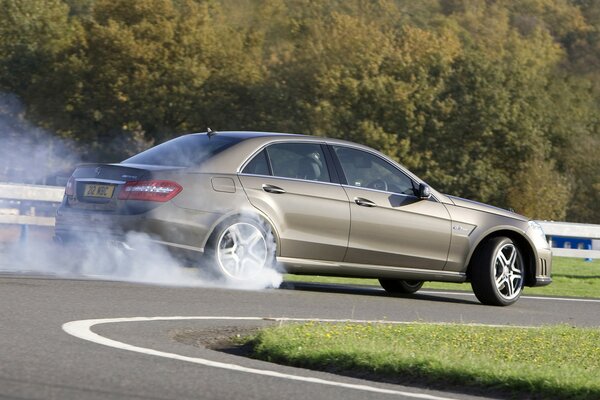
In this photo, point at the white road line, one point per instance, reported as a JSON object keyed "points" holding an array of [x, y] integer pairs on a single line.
{"points": [[83, 329], [522, 297], [562, 299]]}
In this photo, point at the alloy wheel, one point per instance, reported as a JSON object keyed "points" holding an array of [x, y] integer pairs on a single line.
{"points": [[509, 272], [242, 250]]}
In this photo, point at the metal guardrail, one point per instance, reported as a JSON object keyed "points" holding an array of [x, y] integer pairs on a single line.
{"points": [[22, 201], [572, 230], [26, 197]]}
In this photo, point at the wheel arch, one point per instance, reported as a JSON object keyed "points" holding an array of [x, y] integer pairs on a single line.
{"points": [[238, 214], [526, 248]]}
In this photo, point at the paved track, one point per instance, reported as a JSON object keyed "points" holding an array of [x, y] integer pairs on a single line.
{"points": [[39, 360]]}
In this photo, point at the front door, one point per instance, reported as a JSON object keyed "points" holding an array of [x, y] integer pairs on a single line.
{"points": [[390, 225]]}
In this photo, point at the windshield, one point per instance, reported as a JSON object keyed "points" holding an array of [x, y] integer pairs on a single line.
{"points": [[184, 151]]}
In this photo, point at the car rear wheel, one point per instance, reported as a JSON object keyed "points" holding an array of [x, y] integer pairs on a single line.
{"points": [[498, 272], [400, 286], [241, 248]]}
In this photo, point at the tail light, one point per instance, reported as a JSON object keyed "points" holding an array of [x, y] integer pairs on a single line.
{"points": [[70, 188], [155, 190]]}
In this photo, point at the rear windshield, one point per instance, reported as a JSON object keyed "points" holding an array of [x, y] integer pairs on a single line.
{"points": [[184, 151]]}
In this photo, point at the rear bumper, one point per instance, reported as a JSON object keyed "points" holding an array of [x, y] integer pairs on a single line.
{"points": [[133, 243], [174, 228]]}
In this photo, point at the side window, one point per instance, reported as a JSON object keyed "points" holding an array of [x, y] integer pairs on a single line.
{"points": [[258, 166], [299, 160], [363, 169]]}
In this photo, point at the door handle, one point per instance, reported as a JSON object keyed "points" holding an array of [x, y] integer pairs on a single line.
{"points": [[272, 189], [364, 202]]}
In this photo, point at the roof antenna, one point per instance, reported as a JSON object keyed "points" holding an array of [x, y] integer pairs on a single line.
{"points": [[210, 132]]}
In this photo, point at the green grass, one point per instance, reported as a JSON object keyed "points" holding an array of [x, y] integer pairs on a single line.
{"points": [[549, 362], [572, 277]]}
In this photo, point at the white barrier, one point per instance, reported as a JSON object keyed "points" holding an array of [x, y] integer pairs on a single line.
{"points": [[21, 192], [25, 199], [572, 230]]}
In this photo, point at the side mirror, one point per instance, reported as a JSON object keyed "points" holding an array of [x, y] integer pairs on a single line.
{"points": [[424, 191]]}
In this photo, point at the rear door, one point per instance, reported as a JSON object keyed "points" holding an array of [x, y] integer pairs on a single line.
{"points": [[390, 225], [294, 184]]}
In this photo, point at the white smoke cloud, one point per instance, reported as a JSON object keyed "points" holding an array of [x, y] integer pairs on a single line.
{"points": [[29, 154], [135, 259]]}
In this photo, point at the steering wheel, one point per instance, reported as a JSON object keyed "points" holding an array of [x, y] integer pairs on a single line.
{"points": [[378, 184]]}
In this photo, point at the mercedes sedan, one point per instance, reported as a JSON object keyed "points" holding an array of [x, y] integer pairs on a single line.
{"points": [[238, 202]]}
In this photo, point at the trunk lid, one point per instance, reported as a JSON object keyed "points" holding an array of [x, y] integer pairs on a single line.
{"points": [[107, 187]]}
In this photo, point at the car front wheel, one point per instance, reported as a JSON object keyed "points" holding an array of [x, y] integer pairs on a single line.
{"points": [[400, 286], [498, 272]]}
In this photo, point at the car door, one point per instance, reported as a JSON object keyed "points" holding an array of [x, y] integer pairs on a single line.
{"points": [[296, 187], [390, 225]]}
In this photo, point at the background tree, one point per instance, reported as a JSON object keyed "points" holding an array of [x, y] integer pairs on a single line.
{"points": [[496, 101]]}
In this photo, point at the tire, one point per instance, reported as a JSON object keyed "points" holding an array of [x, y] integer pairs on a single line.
{"points": [[498, 272], [400, 286], [240, 248]]}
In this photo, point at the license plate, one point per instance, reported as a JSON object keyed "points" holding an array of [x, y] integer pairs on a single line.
{"points": [[104, 191]]}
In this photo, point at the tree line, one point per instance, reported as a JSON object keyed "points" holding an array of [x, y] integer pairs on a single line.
{"points": [[492, 100]]}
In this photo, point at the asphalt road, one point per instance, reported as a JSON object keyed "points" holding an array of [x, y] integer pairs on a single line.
{"points": [[40, 360]]}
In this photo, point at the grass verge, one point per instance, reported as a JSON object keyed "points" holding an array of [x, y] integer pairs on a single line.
{"points": [[549, 362], [572, 277]]}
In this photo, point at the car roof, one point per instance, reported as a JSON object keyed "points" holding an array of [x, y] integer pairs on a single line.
{"points": [[246, 134], [233, 158], [268, 136]]}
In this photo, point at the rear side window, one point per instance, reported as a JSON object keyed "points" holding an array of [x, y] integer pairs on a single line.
{"points": [[184, 151], [259, 165], [304, 161]]}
